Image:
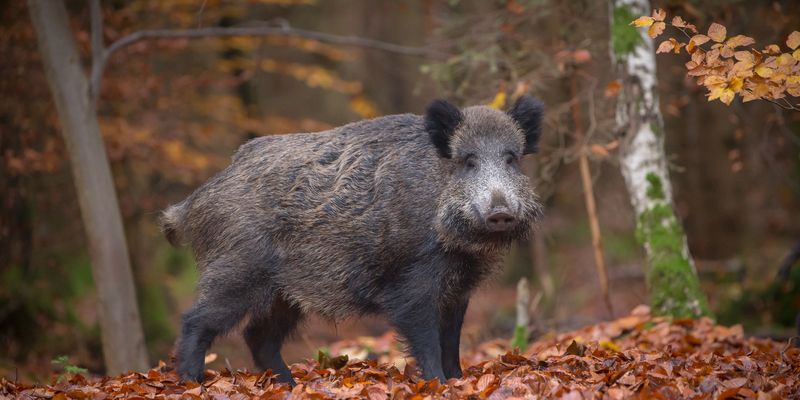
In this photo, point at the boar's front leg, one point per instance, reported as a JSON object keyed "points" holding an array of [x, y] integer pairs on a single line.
{"points": [[450, 336], [417, 320], [265, 333]]}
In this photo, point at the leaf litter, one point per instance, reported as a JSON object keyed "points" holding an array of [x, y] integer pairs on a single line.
{"points": [[634, 357]]}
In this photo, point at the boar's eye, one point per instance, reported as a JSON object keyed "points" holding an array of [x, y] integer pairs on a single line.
{"points": [[470, 163]]}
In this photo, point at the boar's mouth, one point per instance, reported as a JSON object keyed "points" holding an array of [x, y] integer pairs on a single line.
{"points": [[467, 230]]}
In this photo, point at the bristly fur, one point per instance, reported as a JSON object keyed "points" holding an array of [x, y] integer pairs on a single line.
{"points": [[441, 121], [378, 216], [528, 112]]}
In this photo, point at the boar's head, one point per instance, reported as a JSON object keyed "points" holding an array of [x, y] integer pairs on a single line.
{"points": [[486, 202]]}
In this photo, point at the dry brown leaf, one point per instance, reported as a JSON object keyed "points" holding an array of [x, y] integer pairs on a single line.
{"points": [[739, 40], [665, 47], [647, 358], [717, 32], [656, 29], [793, 41], [699, 39]]}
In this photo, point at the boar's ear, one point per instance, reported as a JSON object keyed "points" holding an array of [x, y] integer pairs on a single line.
{"points": [[527, 112], [441, 121]]}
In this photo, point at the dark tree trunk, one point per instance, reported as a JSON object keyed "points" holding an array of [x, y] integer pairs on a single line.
{"points": [[121, 332]]}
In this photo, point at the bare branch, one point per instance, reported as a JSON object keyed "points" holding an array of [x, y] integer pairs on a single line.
{"points": [[98, 48], [786, 105], [282, 30]]}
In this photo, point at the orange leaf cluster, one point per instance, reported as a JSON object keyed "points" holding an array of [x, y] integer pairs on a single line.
{"points": [[637, 356], [730, 66]]}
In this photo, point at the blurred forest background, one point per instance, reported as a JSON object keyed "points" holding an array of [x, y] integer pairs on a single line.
{"points": [[172, 111]]}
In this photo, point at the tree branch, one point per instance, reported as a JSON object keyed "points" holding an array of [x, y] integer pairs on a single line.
{"points": [[98, 48], [99, 62]]}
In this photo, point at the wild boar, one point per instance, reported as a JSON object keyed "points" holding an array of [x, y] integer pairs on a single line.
{"points": [[402, 216]]}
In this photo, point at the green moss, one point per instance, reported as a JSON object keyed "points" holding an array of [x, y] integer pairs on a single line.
{"points": [[520, 338], [673, 285], [624, 37], [655, 191]]}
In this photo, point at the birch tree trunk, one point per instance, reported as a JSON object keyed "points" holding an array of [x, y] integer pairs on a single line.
{"points": [[121, 331], [674, 288]]}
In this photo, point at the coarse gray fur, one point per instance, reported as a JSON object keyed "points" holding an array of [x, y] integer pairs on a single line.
{"points": [[370, 217]]}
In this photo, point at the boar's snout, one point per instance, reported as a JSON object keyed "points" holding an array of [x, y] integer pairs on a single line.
{"points": [[500, 218], [500, 221]]}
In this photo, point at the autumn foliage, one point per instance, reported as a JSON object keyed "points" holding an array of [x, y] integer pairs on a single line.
{"points": [[731, 66], [637, 356]]}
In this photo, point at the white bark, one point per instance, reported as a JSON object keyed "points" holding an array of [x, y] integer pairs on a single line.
{"points": [[638, 114], [121, 332], [643, 162]]}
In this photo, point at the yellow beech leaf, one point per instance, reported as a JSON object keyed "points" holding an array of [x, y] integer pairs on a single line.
{"points": [[777, 77], [726, 52], [744, 56], [764, 71], [642, 22], [698, 56], [739, 40], [772, 49], [691, 47], [794, 40], [796, 54], [760, 90], [676, 45], [499, 100], [714, 80], [721, 89], [724, 95], [699, 39], [749, 96], [659, 14], [609, 345], [717, 32], [785, 59], [712, 56], [743, 69], [736, 84], [656, 29]]}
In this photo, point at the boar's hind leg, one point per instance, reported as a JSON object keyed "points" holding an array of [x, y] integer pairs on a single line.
{"points": [[265, 333], [201, 325], [228, 289], [450, 337]]}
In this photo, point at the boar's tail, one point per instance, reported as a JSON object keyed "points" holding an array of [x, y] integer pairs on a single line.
{"points": [[171, 222]]}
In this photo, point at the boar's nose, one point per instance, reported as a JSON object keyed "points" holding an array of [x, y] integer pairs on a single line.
{"points": [[499, 220]]}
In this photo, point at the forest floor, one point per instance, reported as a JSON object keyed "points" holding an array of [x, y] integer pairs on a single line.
{"points": [[637, 356]]}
